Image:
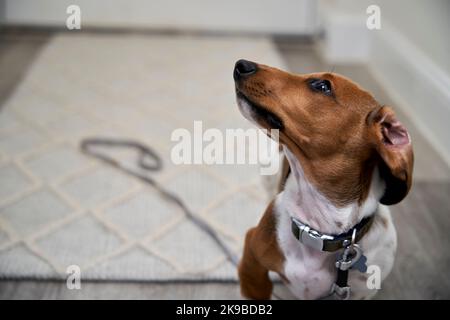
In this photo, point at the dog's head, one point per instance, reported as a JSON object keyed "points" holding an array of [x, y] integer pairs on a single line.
{"points": [[337, 130]]}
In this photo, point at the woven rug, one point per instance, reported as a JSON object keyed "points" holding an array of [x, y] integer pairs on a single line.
{"points": [[60, 208]]}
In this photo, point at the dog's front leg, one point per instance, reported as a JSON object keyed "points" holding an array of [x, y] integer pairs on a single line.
{"points": [[254, 278]]}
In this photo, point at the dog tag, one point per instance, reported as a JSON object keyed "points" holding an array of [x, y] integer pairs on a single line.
{"points": [[360, 264]]}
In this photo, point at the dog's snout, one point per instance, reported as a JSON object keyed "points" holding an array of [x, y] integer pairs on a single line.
{"points": [[243, 68]]}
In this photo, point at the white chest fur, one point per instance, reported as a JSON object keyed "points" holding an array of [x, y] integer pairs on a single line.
{"points": [[310, 272]]}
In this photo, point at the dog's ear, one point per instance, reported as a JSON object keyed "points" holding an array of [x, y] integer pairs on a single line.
{"points": [[393, 145]]}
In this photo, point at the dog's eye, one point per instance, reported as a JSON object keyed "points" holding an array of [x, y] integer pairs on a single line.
{"points": [[323, 86]]}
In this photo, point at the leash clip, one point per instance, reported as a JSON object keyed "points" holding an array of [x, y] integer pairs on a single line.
{"points": [[352, 253]]}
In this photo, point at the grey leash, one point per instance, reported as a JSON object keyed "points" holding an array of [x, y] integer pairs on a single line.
{"points": [[149, 160], [146, 154]]}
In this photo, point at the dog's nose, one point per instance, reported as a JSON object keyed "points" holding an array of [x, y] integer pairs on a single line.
{"points": [[243, 68]]}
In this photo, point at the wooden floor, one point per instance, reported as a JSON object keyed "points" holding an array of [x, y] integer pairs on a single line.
{"points": [[422, 266]]}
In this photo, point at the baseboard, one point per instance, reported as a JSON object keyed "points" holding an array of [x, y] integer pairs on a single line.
{"points": [[415, 83]]}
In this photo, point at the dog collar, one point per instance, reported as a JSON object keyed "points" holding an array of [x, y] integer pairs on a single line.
{"points": [[324, 242]]}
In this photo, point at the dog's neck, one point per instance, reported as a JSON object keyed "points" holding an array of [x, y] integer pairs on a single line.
{"points": [[304, 202]]}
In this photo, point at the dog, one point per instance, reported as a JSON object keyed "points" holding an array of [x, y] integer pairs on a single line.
{"points": [[347, 159]]}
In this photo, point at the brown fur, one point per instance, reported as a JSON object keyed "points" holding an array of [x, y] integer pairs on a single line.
{"points": [[339, 141], [261, 254]]}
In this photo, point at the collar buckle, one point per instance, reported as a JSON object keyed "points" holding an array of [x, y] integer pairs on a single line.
{"points": [[310, 237]]}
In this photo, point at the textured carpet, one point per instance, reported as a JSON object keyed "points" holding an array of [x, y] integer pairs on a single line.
{"points": [[59, 208]]}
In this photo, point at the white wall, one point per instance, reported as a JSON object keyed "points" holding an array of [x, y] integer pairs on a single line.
{"points": [[426, 24], [410, 58], [281, 16], [409, 55]]}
